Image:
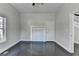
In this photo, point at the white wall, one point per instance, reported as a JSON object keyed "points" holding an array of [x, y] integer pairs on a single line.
{"points": [[13, 26], [63, 30], [37, 19]]}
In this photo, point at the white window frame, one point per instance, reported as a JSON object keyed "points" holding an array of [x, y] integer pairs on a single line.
{"points": [[4, 30]]}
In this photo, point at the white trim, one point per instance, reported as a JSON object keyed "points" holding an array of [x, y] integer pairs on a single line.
{"points": [[71, 34], [4, 29], [31, 33], [7, 47], [37, 41], [25, 40], [64, 47]]}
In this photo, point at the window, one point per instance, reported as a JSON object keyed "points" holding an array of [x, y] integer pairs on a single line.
{"points": [[2, 29]]}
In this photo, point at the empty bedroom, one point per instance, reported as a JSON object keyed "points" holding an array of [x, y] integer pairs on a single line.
{"points": [[39, 29]]}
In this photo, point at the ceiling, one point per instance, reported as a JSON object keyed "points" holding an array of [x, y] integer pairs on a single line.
{"points": [[28, 8]]}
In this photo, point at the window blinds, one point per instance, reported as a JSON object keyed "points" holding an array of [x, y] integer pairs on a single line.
{"points": [[2, 29]]}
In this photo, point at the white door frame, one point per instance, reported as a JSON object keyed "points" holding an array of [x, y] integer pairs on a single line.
{"points": [[71, 34], [38, 27]]}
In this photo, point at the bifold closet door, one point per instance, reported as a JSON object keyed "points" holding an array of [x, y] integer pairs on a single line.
{"points": [[38, 34]]}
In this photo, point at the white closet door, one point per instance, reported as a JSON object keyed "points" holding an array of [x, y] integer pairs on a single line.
{"points": [[38, 34]]}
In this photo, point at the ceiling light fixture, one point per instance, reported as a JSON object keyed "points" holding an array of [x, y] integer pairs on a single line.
{"points": [[37, 4], [76, 14]]}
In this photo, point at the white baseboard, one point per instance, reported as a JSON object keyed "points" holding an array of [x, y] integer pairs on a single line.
{"points": [[64, 47], [25, 40], [31, 40], [8, 47]]}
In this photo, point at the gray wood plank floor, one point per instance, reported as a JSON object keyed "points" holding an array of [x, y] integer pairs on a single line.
{"points": [[38, 49]]}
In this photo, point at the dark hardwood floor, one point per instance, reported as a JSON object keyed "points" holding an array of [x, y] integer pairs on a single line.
{"points": [[38, 49]]}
